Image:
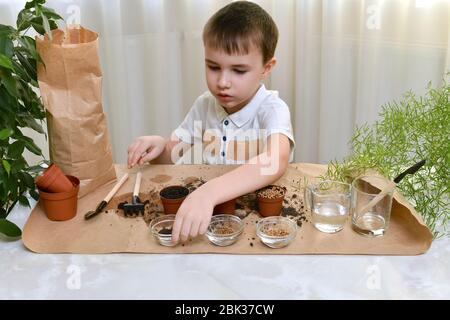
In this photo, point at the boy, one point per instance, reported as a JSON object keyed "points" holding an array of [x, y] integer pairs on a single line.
{"points": [[237, 122]]}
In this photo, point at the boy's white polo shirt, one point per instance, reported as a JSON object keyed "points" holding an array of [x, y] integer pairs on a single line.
{"points": [[234, 138]]}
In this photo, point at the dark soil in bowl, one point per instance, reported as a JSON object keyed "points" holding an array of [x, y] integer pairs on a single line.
{"points": [[165, 231], [174, 192]]}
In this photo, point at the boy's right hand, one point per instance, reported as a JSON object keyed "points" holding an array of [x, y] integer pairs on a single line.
{"points": [[145, 148]]}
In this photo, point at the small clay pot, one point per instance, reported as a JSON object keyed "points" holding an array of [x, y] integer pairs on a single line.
{"points": [[61, 206], [172, 197], [271, 206], [227, 207], [53, 180]]}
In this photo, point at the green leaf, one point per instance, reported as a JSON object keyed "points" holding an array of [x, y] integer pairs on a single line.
{"points": [[18, 165], [27, 179], [6, 133], [51, 14], [34, 3], [29, 44], [37, 9], [32, 147], [28, 64], [37, 109], [37, 24], [47, 26], [24, 19], [3, 213], [34, 194], [16, 149], [31, 123], [21, 72], [10, 84], [31, 4], [5, 62], [6, 31], [53, 25], [7, 166], [6, 47], [9, 230], [24, 201]]}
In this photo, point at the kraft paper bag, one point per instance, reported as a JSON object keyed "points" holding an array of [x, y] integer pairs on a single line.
{"points": [[71, 90]]}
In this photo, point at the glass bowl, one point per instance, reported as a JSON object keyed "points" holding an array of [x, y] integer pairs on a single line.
{"points": [[276, 232], [224, 229], [161, 229]]}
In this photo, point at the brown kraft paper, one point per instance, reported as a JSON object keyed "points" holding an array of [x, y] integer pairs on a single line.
{"points": [[71, 90], [111, 232]]}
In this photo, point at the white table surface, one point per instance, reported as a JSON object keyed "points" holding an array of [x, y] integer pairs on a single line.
{"points": [[27, 275]]}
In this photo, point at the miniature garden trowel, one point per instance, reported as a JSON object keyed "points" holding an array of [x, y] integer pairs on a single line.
{"points": [[105, 201], [136, 205]]}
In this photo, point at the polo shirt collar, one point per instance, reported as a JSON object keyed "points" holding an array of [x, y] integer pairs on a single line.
{"points": [[246, 113]]}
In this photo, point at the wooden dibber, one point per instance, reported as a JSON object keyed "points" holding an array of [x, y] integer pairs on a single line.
{"points": [[387, 189], [391, 185], [105, 201]]}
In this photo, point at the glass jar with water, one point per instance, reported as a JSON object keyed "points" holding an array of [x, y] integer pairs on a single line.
{"points": [[329, 202]]}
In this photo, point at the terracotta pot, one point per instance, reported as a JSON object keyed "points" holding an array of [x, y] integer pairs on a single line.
{"points": [[53, 180], [172, 197], [270, 207], [227, 207], [61, 206]]}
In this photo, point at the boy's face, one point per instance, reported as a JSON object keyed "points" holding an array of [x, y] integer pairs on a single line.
{"points": [[234, 79]]}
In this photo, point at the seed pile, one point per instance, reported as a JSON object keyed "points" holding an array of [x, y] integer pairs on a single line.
{"points": [[223, 230], [272, 192], [276, 231]]}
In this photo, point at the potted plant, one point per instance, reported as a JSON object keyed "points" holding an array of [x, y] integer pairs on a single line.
{"points": [[270, 200], [20, 107], [172, 197], [61, 206], [228, 207], [408, 131], [53, 179]]}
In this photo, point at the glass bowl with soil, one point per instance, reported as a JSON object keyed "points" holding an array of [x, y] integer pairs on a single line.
{"points": [[161, 229], [224, 229], [172, 197], [276, 232], [270, 200]]}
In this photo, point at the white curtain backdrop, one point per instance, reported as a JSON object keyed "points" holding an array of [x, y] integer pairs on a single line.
{"points": [[339, 61]]}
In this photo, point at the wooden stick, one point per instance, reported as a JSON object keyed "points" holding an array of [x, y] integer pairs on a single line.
{"points": [[116, 187], [137, 184], [388, 188]]}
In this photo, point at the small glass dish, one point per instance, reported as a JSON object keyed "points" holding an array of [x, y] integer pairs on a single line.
{"points": [[161, 229], [224, 229], [276, 232]]}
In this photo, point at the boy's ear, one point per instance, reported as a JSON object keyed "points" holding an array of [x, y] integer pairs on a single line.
{"points": [[268, 67]]}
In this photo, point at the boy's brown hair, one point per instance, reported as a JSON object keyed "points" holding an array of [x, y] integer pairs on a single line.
{"points": [[237, 26]]}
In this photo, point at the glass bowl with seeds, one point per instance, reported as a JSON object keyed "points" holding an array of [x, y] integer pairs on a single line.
{"points": [[224, 229], [276, 232], [161, 229]]}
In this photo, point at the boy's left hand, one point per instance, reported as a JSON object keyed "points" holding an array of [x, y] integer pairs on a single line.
{"points": [[193, 216]]}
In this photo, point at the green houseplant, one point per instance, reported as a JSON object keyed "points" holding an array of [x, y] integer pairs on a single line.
{"points": [[408, 131], [20, 107]]}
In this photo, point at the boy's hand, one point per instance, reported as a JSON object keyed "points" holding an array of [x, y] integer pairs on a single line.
{"points": [[193, 216], [145, 148]]}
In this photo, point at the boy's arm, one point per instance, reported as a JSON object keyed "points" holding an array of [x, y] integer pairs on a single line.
{"points": [[264, 169]]}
